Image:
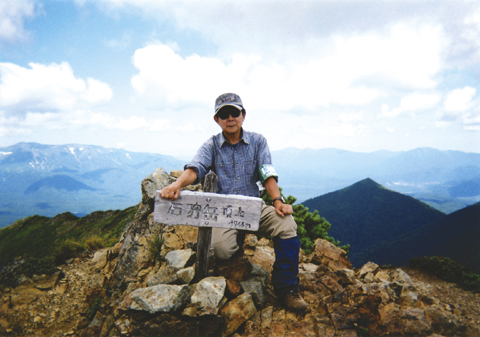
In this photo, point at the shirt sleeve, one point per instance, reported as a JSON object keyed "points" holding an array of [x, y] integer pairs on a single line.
{"points": [[263, 155], [202, 162]]}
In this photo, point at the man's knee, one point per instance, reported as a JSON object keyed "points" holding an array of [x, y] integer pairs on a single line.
{"points": [[224, 243], [224, 251], [287, 227]]}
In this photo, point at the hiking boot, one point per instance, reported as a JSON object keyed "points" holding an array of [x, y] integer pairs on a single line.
{"points": [[293, 301]]}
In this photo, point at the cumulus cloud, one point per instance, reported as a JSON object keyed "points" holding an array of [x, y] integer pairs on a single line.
{"points": [[410, 103], [354, 70], [12, 17], [459, 100], [47, 88]]}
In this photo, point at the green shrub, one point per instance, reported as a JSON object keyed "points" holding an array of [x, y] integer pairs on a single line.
{"points": [[37, 266], [28, 267], [94, 243], [155, 247], [97, 303], [448, 270], [310, 226], [67, 250]]}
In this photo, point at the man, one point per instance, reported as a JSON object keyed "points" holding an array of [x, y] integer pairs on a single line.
{"points": [[240, 159]]}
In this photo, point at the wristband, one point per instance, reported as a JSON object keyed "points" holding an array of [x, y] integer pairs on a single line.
{"points": [[266, 171]]}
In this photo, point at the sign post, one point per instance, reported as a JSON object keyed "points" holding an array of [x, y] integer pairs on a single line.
{"points": [[206, 210]]}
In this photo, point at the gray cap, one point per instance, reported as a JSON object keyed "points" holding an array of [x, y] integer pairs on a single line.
{"points": [[228, 99]]}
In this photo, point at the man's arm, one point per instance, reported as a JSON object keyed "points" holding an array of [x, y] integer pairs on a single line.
{"points": [[274, 192], [172, 191]]}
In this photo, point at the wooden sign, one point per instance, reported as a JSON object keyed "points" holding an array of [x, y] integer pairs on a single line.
{"points": [[202, 209]]}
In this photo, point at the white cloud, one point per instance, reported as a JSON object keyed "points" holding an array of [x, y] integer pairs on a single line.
{"points": [[459, 100], [43, 88], [12, 16], [410, 103], [354, 70], [132, 123]]}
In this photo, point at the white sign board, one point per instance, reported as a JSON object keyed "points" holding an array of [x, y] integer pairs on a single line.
{"points": [[202, 209]]}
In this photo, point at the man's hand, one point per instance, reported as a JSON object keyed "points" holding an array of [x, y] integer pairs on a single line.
{"points": [[171, 191], [283, 209]]}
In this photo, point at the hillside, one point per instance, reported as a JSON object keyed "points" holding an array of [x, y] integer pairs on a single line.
{"points": [[455, 236], [366, 214], [133, 289], [39, 236], [52, 179], [445, 180]]}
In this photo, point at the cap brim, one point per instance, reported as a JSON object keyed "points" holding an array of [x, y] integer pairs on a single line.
{"points": [[239, 107]]}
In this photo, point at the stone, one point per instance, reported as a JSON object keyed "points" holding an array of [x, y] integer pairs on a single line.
{"points": [[369, 267], [165, 275], [331, 284], [208, 294], [234, 288], [401, 277], [345, 276], [264, 257], [186, 275], [267, 317], [251, 241], [100, 259], [255, 286], [382, 276], [160, 298], [236, 312], [238, 270], [328, 254], [179, 258]]}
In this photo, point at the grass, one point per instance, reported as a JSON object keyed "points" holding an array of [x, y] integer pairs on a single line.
{"points": [[62, 235], [448, 270]]}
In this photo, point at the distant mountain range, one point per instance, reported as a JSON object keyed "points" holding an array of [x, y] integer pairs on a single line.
{"points": [[446, 180], [387, 227], [52, 179]]}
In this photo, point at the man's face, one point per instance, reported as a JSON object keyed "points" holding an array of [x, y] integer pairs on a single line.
{"points": [[230, 125]]}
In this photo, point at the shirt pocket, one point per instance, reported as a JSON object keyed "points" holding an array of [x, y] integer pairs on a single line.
{"points": [[249, 169]]}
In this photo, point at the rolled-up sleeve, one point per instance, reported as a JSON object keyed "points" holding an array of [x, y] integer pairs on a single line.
{"points": [[202, 161]]}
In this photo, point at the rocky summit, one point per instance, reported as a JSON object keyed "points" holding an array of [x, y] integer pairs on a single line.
{"points": [[145, 286]]}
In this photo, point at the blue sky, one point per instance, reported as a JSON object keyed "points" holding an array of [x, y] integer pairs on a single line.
{"points": [[143, 75]]}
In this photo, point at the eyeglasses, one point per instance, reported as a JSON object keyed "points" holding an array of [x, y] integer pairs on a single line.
{"points": [[226, 111]]}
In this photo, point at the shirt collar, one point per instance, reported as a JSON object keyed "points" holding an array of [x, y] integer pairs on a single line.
{"points": [[245, 138]]}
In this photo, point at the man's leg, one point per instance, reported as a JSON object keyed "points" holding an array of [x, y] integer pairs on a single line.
{"points": [[226, 242], [287, 248]]}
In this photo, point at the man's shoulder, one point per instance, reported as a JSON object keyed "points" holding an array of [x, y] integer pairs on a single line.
{"points": [[252, 136]]}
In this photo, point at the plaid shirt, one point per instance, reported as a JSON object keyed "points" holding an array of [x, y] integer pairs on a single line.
{"points": [[235, 165]]}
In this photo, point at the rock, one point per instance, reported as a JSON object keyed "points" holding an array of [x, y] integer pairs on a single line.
{"points": [[382, 276], [233, 289], [255, 286], [328, 254], [264, 257], [409, 296], [238, 270], [179, 258], [209, 294], [186, 275], [236, 312], [267, 317], [401, 277], [100, 259], [345, 276], [160, 298], [369, 267], [165, 275]]}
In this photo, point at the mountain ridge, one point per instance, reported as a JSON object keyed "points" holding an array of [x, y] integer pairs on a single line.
{"points": [[366, 212], [52, 179]]}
